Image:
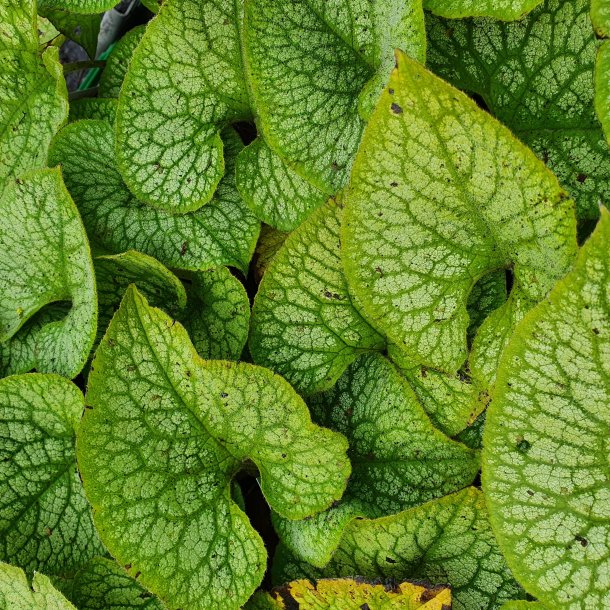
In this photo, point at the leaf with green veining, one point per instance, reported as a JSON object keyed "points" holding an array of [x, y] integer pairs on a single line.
{"points": [[269, 243], [352, 594], [446, 541], [184, 84], [104, 585], [96, 108], [33, 95], [314, 67], [399, 460], [546, 439], [78, 6], [165, 434], [274, 192], [16, 592], [45, 520], [82, 29], [522, 605], [224, 232], [44, 259], [536, 76], [600, 17], [117, 62], [440, 195], [304, 324], [498, 9]]}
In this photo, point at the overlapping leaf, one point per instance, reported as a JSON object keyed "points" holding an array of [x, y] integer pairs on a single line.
{"points": [[165, 434], [44, 259], [399, 460], [536, 76], [499, 9], [441, 194], [78, 6], [315, 67], [546, 439], [224, 232], [45, 520]]}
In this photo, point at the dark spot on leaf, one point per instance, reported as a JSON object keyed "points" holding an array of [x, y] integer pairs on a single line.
{"points": [[390, 560], [184, 248], [583, 541], [379, 270], [223, 395], [396, 109], [391, 91], [581, 178], [48, 531], [523, 446], [394, 184]]}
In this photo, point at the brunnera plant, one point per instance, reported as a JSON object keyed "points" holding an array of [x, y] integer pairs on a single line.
{"points": [[305, 304]]}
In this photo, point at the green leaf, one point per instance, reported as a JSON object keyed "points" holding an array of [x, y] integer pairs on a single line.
{"points": [[522, 605], [45, 520], [399, 460], [33, 95], [16, 592], [536, 76], [441, 194], [82, 29], [352, 594], [166, 433], [44, 258], [314, 67], [269, 243], [77, 6], [117, 63], [446, 541], [217, 315], [274, 192], [600, 17], [104, 585], [499, 9], [185, 82], [224, 232], [546, 439], [97, 108], [304, 324]]}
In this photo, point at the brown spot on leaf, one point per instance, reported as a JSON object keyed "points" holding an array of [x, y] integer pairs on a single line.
{"points": [[396, 109]]}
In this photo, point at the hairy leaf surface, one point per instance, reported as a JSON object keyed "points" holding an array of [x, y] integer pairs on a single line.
{"points": [[166, 433], [45, 520], [44, 258], [399, 460], [224, 232], [546, 439]]}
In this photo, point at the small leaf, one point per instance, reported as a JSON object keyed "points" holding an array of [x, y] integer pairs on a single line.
{"points": [[441, 194], [104, 585], [446, 541], [304, 325], [308, 63], [16, 592], [166, 434], [344, 593], [222, 233], [536, 76], [45, 520], [275, 193], [399, 460], [118, 62], [33, 95], [499, 9], [97, 108], [184, 84], [44, 258], [546, 439], [269, 243]]}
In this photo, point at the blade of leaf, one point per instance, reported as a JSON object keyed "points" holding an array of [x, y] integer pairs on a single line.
{"points": [[499, 9]]}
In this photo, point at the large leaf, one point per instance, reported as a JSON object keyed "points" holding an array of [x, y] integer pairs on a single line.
{"points": [[446, 541], [315, 66], [499, 9], [184, 83], [348, 594], [104, 585], [165, 434], [304, 324], [600, 16], [536, 76], [16, 593], [33, 95], [224, 232], [546, 439], [399, 460], [44, 258], [45, 520], [441, 194]]}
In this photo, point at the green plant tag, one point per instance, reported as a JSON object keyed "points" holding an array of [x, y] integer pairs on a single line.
{"points": [[165, 434], [399, 460], [45, 519], [44, 259], [546, 439], [224, 232], [442, 194]]}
